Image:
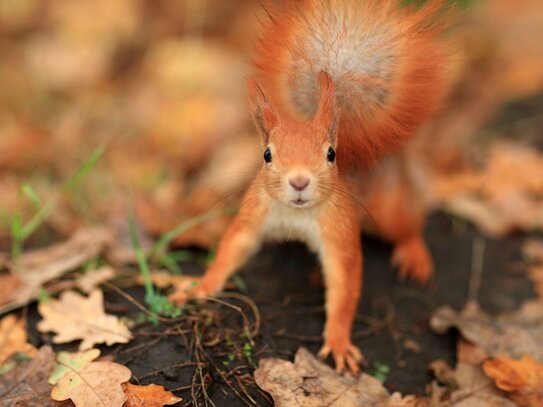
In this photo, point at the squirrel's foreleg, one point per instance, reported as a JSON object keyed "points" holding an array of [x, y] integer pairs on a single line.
{"points": [[239, 242], [341, 260]]}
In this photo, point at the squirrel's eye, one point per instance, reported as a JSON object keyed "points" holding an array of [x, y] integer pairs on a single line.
{"points": [[331, 156], [267, 155]]}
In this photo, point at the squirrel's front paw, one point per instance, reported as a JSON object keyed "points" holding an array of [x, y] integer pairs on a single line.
{"points": [[413, 260], [345, 354], [190, 287]]}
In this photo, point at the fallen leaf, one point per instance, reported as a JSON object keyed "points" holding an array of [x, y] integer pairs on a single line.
{"points": [[94, 278], [97, 384], [309, 382], [521, 379], [13, 338], [74, 317], [532, 250], [467, 352], [68, 361], [148, 396], [465, 386], [514, 334], [164, 279], [26, 385], [36, 268], [535, 274], [503, 196], [8, 284]]}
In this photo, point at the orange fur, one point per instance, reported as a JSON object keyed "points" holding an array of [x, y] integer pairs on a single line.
{"points": [[359, 77], [385, 60]]}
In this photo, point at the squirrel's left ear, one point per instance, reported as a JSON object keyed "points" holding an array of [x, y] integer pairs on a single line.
{"points": [[263, 112], [327, 112]]}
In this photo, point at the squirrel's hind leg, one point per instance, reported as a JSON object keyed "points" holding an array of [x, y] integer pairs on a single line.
{"points": [[398, 207], [413, 260]]}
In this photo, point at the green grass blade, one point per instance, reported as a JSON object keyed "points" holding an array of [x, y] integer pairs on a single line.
{"points": [[76, 179], [167, 261], [140, 255], [37, 220], [16, 241], [31, 195]]}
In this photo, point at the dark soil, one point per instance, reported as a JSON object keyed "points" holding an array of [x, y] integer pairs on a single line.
{"points": [[391, 327]]}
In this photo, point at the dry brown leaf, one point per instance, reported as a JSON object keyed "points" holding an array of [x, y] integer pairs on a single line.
{"points": [[503, 196], [532, 250], [309, 382], [97, 384], [466, 386], [514, 334], [75, 317], [164, 279], [26, 385], [93, 278], [521, 379], [148, 396], [13, 338], [38, 267], [467, 352], [8, 284], [535, 274]]}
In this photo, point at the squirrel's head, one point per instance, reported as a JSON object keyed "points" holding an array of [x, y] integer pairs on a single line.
{"points": [[299, 158]]}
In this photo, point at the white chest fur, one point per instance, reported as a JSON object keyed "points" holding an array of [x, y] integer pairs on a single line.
{"points": [[289, 224]]}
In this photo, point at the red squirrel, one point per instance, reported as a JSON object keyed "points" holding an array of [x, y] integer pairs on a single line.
{"points": [[338, 85]]}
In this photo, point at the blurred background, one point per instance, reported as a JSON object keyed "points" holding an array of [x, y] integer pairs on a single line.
{"points": [[105, 104]]}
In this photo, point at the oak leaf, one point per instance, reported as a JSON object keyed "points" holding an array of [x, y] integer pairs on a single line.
{"points": [[68, 361], [36, 268], [97, 384], [513, 334], [521, 379], [148, 396], [309, 382], [13, 338], [74, 317], [8, 284], [465, 386], [26, 385], [93, 278]]}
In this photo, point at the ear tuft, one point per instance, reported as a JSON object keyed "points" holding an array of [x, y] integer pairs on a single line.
{"points": [[327, 112], [263, 112]]}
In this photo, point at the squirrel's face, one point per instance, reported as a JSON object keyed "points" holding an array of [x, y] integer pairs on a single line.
{"points": [[299, 166]]}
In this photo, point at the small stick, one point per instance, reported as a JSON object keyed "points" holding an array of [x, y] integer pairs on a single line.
{"points": [[477, 263]]}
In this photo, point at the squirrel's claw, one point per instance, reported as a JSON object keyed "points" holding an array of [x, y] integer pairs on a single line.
{"points": [[344, 356]]}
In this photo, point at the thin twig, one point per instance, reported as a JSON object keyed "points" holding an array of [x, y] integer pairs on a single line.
{"points": [[477, 264]]}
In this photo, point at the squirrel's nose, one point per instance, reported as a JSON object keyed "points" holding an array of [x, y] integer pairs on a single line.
{"points": [[299, 183]]}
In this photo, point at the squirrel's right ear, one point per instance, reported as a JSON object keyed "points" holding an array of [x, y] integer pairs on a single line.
{"points": [[263, 113]]}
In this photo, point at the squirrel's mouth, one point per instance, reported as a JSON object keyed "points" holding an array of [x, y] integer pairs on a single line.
{"points": [[300, 202]]}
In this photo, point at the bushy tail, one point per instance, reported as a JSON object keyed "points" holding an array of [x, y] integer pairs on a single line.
{"points": [[386, 61]]}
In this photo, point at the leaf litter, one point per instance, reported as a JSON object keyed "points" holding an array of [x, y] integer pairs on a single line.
{"points": [[36, 268], [309, 382], [513, 334], [13, 338], [74, 317]]}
